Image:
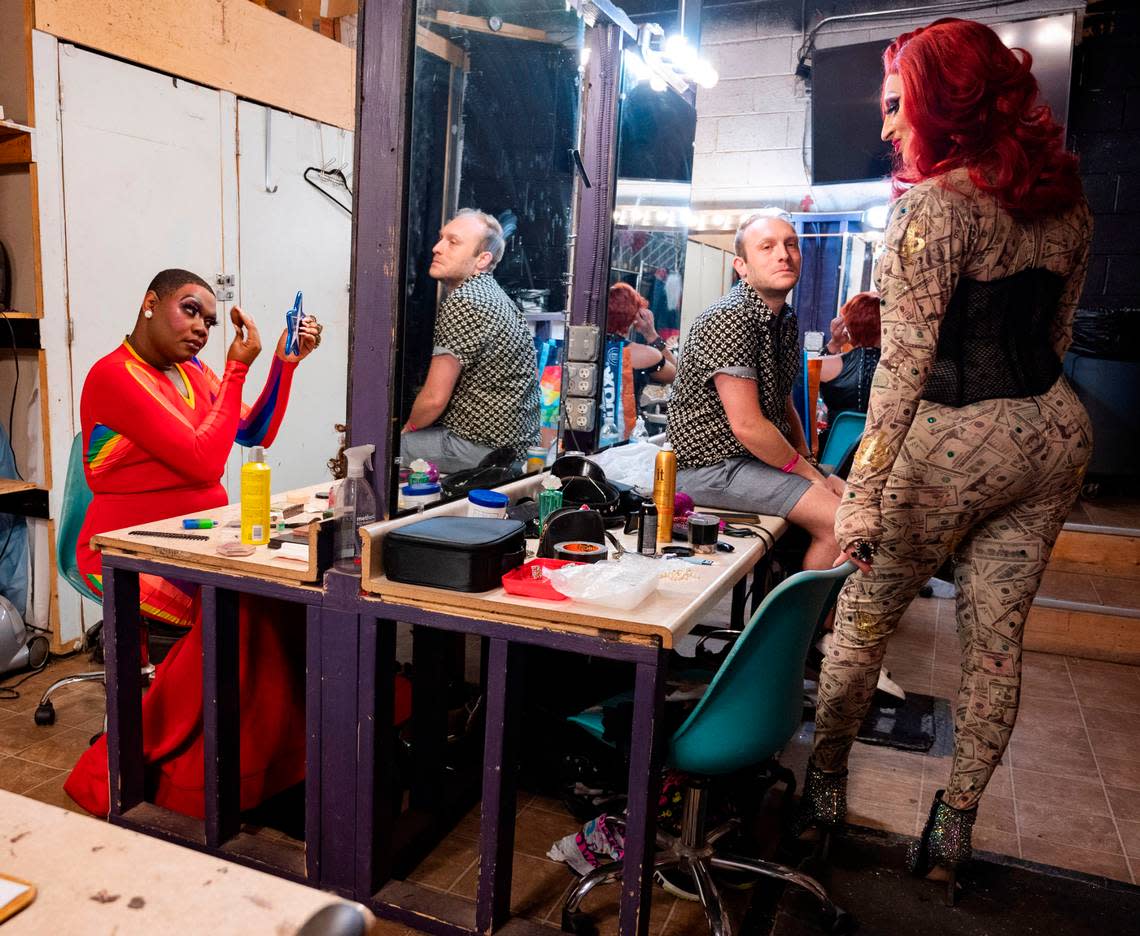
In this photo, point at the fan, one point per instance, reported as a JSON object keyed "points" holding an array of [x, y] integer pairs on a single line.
{"points": [[19, 646]]}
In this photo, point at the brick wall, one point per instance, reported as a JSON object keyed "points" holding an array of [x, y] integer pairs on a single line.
{"points": [[750, 146], [1104, 130]]}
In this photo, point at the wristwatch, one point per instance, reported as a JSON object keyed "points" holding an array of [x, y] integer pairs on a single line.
{"points": [[659, 343]]}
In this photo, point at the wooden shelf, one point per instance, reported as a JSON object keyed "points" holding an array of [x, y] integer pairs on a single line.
{"points": [[15, 144], [21, 331], [23, 498]]}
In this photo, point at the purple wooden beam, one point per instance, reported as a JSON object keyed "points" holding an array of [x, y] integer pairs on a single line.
{"points": [[612, 649], [376, 787], [384, 58], [221, 715], [121, 623], [497, 823], [599, 159], [601, 97], [644, 787], [313, 785]]}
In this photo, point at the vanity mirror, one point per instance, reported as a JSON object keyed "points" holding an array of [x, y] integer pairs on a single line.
{"points": [[494, 126], [647, 254]]}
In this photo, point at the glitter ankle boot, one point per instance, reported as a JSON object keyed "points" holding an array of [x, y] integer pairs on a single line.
{"points": [[944, 846], [823, 806]]}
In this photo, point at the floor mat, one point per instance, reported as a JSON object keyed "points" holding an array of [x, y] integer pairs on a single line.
{"points": [[999, 897], [922, 723]]}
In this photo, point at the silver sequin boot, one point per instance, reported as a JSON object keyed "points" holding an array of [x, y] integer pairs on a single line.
{"points": [[944, 846], [823, 806]]}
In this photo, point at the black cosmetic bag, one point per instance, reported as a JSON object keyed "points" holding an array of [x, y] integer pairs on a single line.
{"points": [[469, 554]]}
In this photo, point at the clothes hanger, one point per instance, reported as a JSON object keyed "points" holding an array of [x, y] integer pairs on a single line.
{"points": [[330, 176]]}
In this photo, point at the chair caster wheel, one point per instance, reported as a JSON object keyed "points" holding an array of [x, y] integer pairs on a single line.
{"points": [[45, 714], [579, 923], [839, 922]]}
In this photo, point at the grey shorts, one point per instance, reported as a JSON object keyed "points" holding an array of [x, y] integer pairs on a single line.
{"points": [[443, 448], [744, 484]]}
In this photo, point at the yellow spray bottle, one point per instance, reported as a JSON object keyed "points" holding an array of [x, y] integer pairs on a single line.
{"points": [[255, 498]]}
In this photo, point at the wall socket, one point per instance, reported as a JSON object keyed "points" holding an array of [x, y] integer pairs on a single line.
{"points": [[581, 379], [579, 413], [584, 343]]}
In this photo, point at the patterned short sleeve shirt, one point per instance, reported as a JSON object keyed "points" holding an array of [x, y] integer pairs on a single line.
{"points": [[496, 399], [737, 335]]}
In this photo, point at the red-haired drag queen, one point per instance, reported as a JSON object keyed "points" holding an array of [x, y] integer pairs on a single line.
{"points": [[975, 445]]}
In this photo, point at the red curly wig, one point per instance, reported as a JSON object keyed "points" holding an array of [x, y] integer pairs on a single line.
{"points": [[861, 316], [972, 102], [624, 304]]}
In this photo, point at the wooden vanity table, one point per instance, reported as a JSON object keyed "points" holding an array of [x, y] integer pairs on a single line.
{"points": [[350, 839]]}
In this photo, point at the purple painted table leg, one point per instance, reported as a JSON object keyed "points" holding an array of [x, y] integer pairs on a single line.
{"points": [[644, 787], [497, 825], [429, 716], [221, 715], [313, 780], [739, 597], [121, 630], [337, 767], [376, 787]]}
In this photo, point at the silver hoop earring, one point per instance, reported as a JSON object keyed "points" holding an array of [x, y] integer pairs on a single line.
{"points": [[148, 314]]}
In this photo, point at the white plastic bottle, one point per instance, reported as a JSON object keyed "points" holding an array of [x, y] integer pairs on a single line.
{"points": [[639, 433], [355, 506]]}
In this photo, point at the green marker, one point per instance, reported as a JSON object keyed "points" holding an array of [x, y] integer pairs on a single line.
{"points": [[194, 524]]}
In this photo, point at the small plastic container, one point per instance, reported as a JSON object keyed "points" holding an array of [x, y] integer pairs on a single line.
{"points": [[419, 496], [491, 504], [623, 584], [522, 581]]}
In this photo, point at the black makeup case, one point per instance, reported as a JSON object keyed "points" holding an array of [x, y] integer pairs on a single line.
{"points": [[469, 554]]}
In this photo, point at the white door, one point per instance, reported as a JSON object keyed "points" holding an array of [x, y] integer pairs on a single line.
{"points": [[142, 172], [294, 239]]}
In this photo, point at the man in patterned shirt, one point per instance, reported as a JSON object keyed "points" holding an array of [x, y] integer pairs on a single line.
{"points": [[739, 441], [481, 391]]}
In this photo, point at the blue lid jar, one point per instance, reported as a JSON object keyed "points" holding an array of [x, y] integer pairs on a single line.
{"points": [[490, 499], [420, 490]]}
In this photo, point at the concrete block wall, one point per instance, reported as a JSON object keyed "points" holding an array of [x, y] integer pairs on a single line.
{"points": [[753, 137], [1104, 130]]}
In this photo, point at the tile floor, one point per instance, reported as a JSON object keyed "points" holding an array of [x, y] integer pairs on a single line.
{"points": [[1067, 793]]}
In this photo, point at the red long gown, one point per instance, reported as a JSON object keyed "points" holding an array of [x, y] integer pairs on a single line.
{"points": [[151, 452]]}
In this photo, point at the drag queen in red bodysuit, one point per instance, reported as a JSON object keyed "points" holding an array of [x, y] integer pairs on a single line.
{"points": [[158, 426]]}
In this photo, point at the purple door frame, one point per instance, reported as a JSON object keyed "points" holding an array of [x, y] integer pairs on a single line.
{"points": [[384, 60]]}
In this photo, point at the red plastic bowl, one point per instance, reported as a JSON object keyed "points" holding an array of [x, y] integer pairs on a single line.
{"points": [[521, 581]]}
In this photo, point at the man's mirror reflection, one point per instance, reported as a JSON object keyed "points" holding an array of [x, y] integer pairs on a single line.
{"points": [[493, 122], [481, 392]]}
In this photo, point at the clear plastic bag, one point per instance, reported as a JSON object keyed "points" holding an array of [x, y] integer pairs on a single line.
{"points": [[629, 464], [623, 583]]}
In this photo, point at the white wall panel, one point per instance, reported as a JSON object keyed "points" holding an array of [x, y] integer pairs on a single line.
{"points": [[142, 189], [293, 239]]}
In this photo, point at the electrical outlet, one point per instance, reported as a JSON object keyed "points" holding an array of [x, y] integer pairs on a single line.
{"points": [[224, 286], [581, 379], [579, 413], [584, 343]]}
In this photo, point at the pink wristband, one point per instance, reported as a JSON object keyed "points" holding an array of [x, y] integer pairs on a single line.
{"points": [[408, 427], [790, 465]]}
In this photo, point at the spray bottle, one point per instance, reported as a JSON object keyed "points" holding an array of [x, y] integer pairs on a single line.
{"points": [[255, 499], [355, 506]]}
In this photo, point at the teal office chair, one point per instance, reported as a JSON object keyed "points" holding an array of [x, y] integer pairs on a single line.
{"points": [[750, 710], [76, 498], [843, 437]]}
